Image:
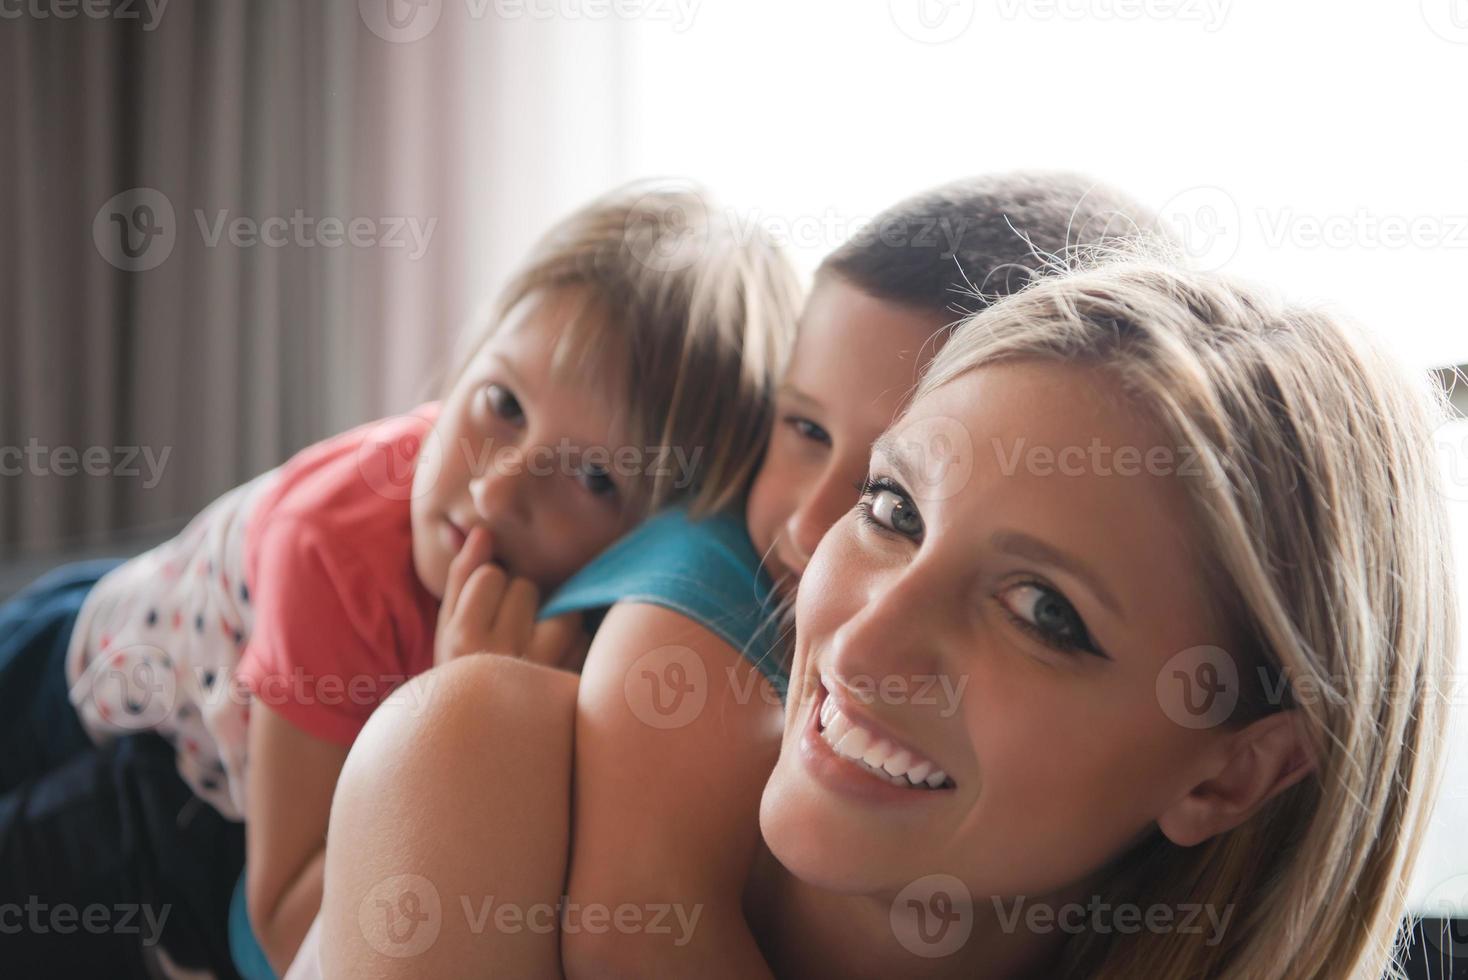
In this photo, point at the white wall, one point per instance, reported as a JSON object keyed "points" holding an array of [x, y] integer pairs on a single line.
{"points": [[1248, 121]]}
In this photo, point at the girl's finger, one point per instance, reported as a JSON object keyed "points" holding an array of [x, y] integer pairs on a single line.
{"points": [[515, 618], [476, 550], [559, 642], [478, 603]]}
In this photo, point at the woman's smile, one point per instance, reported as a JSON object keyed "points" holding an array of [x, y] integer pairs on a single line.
{"points": [[848, 752]]}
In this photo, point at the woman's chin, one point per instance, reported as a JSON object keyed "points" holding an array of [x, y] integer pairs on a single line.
{"points": [[808, 839]]}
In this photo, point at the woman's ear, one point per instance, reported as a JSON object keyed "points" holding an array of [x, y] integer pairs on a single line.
{"points": [[1254, 765]]}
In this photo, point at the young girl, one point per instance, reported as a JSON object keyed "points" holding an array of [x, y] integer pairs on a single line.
{"points": [[1266, 525], [629, 366], [667, 798]]}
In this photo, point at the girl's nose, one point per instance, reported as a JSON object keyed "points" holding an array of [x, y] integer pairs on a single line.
{"points": [[497, 491], [827, 503]]}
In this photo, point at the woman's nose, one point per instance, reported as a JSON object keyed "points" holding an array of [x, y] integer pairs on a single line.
{"points": [[897, 629]]}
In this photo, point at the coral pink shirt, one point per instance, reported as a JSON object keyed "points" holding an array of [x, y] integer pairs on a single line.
{"points": [[341, 618], [296, 591]]}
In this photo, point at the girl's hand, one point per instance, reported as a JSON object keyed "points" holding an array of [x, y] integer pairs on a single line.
{"points": [[485, 610]]}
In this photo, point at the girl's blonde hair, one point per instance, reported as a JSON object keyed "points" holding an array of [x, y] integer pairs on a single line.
{"points": [[681, 318], [1327, 536]]}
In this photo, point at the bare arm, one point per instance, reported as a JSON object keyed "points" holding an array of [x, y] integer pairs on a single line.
{"points": [[449, 831], [290, 780], [676, 734]]}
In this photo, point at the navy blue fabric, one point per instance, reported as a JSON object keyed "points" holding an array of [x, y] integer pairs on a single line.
{"points": [[105, 852], [38, 726]]}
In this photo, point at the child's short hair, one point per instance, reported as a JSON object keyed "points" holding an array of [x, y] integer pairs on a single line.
{"points": [[960, 246], [701, 314]]}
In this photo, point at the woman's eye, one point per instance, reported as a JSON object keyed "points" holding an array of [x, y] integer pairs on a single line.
{"points": [[503, 403], [890, 508], [807, 429], [598, 481], [1048, 615]]}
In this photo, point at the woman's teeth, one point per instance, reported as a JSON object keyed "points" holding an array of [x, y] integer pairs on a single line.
{"points": [[874, 753]]}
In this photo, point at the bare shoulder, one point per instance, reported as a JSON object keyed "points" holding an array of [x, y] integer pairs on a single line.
{"points": [[457, 789], [661, 658], [424, 728]]}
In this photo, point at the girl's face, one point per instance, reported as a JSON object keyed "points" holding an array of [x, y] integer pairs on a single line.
{"points": [[523, 451], [855, 362], [993, 619]]}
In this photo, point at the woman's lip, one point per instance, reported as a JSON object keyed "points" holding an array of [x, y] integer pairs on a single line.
{"points": [[844, 776]]}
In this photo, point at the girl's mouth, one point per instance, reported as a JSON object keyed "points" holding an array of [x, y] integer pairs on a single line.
{"points": [[455, 534], [853, 745]]}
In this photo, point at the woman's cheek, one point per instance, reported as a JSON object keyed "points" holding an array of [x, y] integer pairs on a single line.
{"points": [[831, 583]]}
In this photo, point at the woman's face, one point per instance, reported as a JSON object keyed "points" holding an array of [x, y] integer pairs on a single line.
{"points": [[855, 363], [998, 607]]}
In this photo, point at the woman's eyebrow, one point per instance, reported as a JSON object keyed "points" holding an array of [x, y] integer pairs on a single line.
{"points": [[890, 448], [1025, 546]]}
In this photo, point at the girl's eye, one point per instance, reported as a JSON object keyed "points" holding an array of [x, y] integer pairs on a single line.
{"points": [[1048, 616], [503, 403], [598, 481], [807, 429], [886, 505]]}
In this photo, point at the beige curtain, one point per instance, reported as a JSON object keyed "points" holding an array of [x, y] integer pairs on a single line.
{"points": [[343, 194]]}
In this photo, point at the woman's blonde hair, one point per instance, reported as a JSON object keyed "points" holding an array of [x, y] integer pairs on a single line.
{"points": [[680, 317], [1326, 529]]}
